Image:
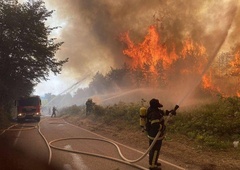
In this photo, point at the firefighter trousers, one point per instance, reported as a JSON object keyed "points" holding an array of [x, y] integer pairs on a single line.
{"points": [[154, 153]]}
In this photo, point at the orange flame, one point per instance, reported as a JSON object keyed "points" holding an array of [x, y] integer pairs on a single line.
{"points": [[238, 93], [194, 55], [190, 46], [150, 52], [235, 70], [235, 64], [153, 57], [207, 84]]}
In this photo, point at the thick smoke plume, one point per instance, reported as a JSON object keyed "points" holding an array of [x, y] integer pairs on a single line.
{"points": [[91, 28]]}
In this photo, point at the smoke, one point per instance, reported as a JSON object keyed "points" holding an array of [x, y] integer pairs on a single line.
{"points": [[91, 28], [220, 36]]}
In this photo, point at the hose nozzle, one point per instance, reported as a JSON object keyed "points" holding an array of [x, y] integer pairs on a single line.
{"points": [[176, 107], [173, 112]]}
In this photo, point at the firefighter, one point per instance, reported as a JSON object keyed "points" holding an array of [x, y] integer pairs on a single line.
{"points": [[89, 106], [154, 124], [54, 110]]}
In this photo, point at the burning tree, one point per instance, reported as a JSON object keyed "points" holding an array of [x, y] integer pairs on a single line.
{"points": [[157, 65], [235, 70]]}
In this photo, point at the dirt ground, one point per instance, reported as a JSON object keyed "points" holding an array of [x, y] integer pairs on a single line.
{"points": [[175, 149]]}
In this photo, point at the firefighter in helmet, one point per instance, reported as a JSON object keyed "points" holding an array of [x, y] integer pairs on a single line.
{"points": [[89, 106], [154, 124]]}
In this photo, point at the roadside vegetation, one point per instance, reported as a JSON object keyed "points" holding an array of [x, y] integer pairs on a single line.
{"points": [[211, 126]]}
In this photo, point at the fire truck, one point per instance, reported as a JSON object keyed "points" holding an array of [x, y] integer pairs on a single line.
{"points": [[28, 108]]}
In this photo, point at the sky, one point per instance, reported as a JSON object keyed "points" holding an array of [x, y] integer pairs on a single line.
{"points": [[90, 31]]}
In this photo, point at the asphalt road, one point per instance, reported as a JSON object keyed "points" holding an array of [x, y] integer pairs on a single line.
{"points": [[24, 148]]}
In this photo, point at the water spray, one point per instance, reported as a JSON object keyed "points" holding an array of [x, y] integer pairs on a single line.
{"points": [[231, 12], [216, 50]]}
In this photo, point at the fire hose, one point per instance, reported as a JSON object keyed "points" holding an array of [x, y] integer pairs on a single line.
{"points": [[103, 140], [111, 142], [16, 129], [124, 159], [50, 145]]}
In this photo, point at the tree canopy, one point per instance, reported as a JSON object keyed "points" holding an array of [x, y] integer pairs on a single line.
{"points": [[27, 52]]}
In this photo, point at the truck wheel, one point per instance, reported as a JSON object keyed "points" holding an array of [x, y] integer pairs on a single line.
{"points": [[37, 119]]}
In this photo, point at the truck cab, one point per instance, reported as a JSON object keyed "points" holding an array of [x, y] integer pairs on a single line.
{"points": [[28, 108]]}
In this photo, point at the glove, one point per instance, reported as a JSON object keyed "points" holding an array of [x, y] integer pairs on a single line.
{"points": [[174, 112], [168, 112]]}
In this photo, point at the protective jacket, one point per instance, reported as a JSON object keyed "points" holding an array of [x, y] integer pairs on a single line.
{"points": [[155, 123]]}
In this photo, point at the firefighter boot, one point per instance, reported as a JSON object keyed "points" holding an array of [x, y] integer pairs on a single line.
{"points": [[159, 165], [156, 167]]}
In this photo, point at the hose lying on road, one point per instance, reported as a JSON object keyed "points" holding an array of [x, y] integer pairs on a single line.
{"points": [[46, 142], [103, 140], [93, 154], [50, 145], [16, 129], [124, 161]]}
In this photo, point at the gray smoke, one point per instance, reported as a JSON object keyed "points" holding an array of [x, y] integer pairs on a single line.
{"points": [[91, 28]]}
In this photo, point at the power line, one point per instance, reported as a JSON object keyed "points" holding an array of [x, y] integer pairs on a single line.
{"points": [[68, 90]]}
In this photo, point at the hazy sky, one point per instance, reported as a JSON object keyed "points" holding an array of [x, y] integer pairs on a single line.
{"points": [[90, 31]]}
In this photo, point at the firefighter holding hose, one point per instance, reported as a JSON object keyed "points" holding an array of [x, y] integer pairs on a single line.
{"points": [[155, 124]]}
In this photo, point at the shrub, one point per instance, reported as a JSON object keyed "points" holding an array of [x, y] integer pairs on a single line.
{"points": [[74, 109], [213, 125]]}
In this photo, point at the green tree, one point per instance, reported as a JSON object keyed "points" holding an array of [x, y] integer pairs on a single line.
{"points": [[27, 53]]}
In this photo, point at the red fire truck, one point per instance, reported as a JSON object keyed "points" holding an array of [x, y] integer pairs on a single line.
{"points": [[28, 108]]}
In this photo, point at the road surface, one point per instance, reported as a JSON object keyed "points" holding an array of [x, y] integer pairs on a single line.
{"points": [[26, 146]]}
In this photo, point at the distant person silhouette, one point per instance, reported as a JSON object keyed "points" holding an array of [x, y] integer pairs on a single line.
{"points": [[54, 110], [89, 106]]}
